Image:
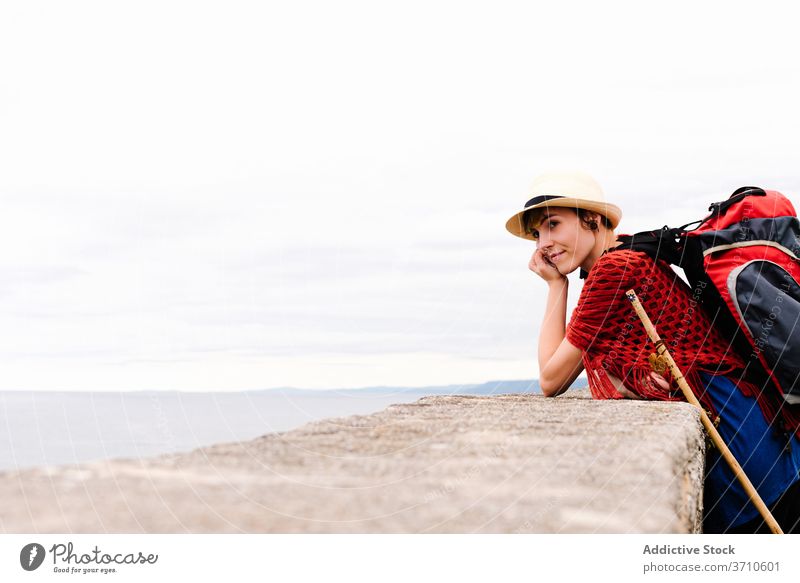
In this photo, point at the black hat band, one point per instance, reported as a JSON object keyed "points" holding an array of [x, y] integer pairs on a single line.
{"points": [[537, 199]]}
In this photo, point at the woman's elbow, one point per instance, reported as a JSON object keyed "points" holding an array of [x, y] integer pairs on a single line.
{"points": [[550, 387]]}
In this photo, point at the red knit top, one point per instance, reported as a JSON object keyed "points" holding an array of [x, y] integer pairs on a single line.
{"points": [[613, 340]]}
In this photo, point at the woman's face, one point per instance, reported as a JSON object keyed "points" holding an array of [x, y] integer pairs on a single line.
{"points": [[565, 241]]}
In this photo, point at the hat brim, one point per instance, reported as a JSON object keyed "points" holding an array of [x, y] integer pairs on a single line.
{"points": [[612, 212]]}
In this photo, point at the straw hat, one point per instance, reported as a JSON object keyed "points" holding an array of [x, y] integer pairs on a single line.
{"points": [[565, 189]]}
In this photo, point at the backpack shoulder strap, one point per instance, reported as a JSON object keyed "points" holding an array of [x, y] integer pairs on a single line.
{"points": [[666, 244]]}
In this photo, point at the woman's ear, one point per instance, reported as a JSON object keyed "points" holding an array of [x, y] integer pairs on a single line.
{"points": [[592, 216], [591, 220]]}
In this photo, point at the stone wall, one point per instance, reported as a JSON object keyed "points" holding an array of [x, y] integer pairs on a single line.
{"points": [[454, 464]]}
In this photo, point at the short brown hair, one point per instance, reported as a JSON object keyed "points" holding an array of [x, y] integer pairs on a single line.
{"points": [[533, 218]]}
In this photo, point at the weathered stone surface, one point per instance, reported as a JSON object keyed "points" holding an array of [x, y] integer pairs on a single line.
{"points": [[508, 463]]}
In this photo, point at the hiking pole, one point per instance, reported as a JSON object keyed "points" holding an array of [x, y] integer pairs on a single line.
{"points": [[662, 351]]}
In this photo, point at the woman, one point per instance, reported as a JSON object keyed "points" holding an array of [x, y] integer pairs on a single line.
{"points": [[574, 228]]}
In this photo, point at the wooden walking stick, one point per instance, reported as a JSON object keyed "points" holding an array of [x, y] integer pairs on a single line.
{"points": [[662, 351]]}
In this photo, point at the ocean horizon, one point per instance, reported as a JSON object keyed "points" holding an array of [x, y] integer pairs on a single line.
{"points": [[49, 428]]}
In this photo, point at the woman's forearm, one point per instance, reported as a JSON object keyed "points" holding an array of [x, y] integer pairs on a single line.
{"points": [[554, 322]]}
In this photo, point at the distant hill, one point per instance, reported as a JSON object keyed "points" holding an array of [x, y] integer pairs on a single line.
{"points": [[488, 388]]}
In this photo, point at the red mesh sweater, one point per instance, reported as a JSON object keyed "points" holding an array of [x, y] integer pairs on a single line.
{"points": [[613, 340]]}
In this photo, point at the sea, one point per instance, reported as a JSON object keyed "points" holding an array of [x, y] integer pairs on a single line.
{"points": [[51, 428]]}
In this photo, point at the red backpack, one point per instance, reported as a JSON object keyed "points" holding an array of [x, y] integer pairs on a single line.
{"points": [[742, 264]]}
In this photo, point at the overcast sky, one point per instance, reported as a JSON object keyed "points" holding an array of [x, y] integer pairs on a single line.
{"points": [[243, 195]]}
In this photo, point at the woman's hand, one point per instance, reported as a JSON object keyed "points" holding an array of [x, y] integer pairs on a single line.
{"points": [[658, 381], [621, 388], [541, 266]]}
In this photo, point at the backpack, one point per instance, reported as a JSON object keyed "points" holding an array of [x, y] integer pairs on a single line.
{"points": [[742, 262]]}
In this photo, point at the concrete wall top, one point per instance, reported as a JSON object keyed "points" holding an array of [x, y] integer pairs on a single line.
{"points": [[452, 464]]}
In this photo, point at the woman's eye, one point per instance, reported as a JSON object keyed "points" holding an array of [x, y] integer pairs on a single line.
{"points": [[552, 224]]}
